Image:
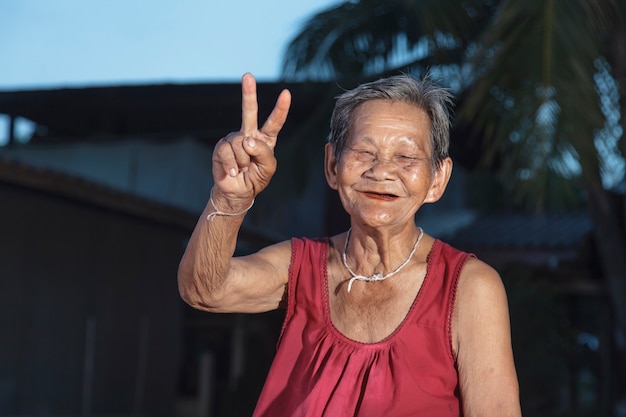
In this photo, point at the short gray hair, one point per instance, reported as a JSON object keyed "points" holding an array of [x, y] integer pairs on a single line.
{"points": [[423, 93]]}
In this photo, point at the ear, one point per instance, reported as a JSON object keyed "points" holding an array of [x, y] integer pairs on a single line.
{"points": [[440, 181], [330, 166]]}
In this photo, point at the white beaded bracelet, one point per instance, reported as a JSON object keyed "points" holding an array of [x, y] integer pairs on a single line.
{"points": [[219, 212]]}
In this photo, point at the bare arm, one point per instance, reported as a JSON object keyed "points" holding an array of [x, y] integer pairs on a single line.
{"points": [[209, 277], [482, 340]]}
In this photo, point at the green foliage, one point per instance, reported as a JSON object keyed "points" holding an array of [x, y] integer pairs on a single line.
{"points": [[525, 70]]}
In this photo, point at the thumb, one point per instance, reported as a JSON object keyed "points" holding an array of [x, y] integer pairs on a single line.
{"points": [[260, 151]]}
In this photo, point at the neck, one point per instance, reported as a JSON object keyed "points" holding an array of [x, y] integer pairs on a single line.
{"points": [[373, 251], [378, 275]]}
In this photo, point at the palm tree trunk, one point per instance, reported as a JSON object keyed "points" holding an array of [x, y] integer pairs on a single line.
{"points": [[618, 53], [611, 244], [618, 56]]}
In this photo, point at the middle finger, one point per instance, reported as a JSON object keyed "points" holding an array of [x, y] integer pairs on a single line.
{"points": [[249, 104]]}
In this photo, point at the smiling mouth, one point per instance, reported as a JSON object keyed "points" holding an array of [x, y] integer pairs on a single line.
{"points": [[380, 196]]}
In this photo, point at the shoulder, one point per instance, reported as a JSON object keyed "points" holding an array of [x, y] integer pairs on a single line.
{"points": [[472, 273], [479, 281], [480, 303], [481, 312], [281, 254]]}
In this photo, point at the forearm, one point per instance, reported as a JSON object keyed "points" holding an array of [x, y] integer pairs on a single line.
{"points": [[205, 266], [243, 164]]}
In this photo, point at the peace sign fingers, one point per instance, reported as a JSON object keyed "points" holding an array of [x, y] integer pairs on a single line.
{"points": [[250, 110], [249, 105], [277, 118], [244, 162]]}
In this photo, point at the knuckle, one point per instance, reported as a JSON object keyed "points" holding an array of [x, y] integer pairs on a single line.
{"points": [[224, 151]]}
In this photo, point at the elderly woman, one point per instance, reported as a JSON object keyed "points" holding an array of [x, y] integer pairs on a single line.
{"points": [[382, 320]]}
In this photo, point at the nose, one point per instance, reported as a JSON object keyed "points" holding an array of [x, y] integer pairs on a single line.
{"points": [[382, 169]]}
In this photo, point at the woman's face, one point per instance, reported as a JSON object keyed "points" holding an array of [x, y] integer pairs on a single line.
{"points": [[385, 172]]}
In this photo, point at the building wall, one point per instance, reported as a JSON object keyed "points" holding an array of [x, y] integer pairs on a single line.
{"points": [[90, 316]]}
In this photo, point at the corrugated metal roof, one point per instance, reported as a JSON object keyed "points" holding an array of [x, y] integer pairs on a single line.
{"points": [[524, 231]]}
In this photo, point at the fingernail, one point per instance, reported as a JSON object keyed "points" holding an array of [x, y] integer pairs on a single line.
{"points": [[233, 172], [251, 142]]}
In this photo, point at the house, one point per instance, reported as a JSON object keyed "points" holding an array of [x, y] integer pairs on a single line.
{"points": [[96, 211]]}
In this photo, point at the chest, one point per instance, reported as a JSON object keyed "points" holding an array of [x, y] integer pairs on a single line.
{"points": [[372, 311]]}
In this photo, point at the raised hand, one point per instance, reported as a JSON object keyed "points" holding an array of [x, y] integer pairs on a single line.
{"points": [[243, 161]]}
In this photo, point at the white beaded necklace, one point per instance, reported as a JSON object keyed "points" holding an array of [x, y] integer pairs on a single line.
{"points": [[377, 276]]}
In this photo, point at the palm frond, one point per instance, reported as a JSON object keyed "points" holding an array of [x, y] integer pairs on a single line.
{"points": [[372, 36], [538, 84]]}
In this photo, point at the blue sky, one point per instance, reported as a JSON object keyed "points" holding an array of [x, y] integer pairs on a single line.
{"points": [[77, 43], [83, 43]]}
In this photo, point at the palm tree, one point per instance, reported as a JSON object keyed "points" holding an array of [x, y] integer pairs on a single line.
{"points": [[542, 83]]}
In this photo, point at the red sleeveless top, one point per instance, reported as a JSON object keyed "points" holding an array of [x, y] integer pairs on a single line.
{"points": [[317, 371]]}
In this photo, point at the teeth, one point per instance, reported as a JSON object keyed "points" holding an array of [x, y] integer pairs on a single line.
{"points": [[386, 195], [383, 195]]}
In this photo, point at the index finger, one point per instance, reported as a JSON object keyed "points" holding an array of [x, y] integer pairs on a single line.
{"points": [[277, 118], [249, 104]]}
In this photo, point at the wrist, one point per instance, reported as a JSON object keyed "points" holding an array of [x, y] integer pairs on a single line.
{"points": [[224, 206]]}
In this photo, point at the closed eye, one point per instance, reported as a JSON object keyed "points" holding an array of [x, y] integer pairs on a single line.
{"points": [[362, 155], [407, 161], [406, 158]]}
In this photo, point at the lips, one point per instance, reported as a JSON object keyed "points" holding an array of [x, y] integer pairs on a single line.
{"points": [[380, 196]]}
